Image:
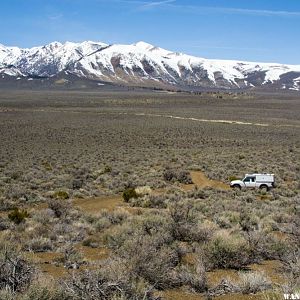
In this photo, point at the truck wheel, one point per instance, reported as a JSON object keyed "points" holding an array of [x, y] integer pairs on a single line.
{"points": [[264, 187], [237, 187]]}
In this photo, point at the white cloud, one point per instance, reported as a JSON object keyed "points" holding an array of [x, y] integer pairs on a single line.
{"points": [[55, 17], [145, 4], [257, 12], [157, 3], [171, 4]]}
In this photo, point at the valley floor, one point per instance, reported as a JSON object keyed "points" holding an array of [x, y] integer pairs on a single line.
{"points": [[67, 157]]}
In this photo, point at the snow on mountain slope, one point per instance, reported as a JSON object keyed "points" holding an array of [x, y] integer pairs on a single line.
{"points": [[140, 63], [55, 57]]}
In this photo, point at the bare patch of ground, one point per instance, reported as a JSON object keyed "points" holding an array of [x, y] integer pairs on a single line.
{"points": [[201, 181], [95, 205], [93, 254], [46, 263]]}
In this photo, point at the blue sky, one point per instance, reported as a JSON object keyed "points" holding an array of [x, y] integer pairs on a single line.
{"points": [[252, 30]]}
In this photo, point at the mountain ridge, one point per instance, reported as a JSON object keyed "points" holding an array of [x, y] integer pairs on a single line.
{"points": [[142, 64]]}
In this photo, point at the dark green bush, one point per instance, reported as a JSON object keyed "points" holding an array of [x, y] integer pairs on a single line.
{"points": [[18, 216], [231, 178], [77, 184], [61, 195], [90, 242], [107, 169], [129, 193]]}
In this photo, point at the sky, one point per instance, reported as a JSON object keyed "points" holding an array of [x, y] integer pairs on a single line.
{"points": [[251, 30]]}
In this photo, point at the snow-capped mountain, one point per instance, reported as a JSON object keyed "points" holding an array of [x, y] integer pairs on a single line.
{"points": [[142, 63]]}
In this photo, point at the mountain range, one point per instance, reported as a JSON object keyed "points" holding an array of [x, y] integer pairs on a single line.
{"points": [[142, 64]]}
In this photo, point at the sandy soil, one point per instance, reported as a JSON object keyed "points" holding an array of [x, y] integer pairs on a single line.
{"points": [[95, 205], [201, 181]]}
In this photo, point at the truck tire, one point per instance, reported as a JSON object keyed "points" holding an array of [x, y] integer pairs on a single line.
{"points": [[264, 187], [237, 187]]}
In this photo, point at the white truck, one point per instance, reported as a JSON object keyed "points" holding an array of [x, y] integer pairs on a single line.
{"points": [[261, 181]]}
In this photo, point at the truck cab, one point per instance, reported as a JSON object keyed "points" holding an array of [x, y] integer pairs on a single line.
{"points": [[261, 181]]}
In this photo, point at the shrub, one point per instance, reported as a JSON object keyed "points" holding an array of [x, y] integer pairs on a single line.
{"points": [[273, 295], [44, 216], [3, 224], [291, 263], [196, 278], [143, 190], [227, 252], [18, 216], [186, 226], [15, 192], [6, 204], [129, 193], [107, 169], [150, 201], [117, 216], [61, 195], [231, 178], [248, 222], [39, 244], [181, 176], [181, 213], [47, 165], [276, 248], [258, 245], [145, 244], [102, 223], [152, 224], [71, 257], [253, 282], [16, 272], [77, 184], [184, 177], [150, 258], [60, 208], [7, 295], [223, 288], [90, 242], [114, 280], [40, 291], [169, 175]]}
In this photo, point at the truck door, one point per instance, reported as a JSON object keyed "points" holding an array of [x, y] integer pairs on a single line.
{"points": [[253, 182], [249, 182]]}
